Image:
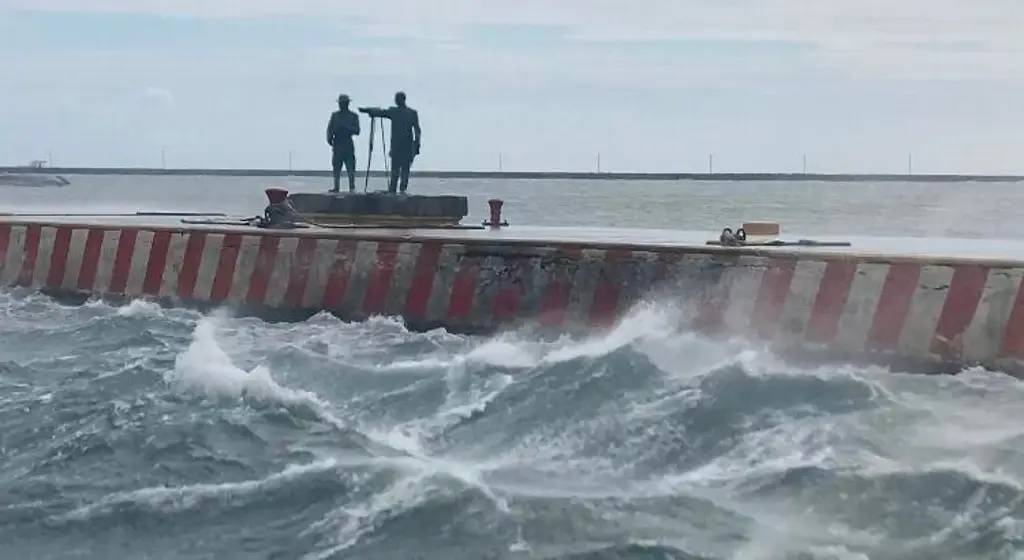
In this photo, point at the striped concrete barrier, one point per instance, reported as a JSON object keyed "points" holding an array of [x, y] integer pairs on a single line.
{"points": [[959, 311]]}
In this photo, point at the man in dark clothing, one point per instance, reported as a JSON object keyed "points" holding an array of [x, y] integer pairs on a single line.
{"points": [[405, 139], [344, 124]]}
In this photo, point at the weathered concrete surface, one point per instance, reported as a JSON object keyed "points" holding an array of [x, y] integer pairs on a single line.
{"points": [[380, 208], [960, 311]]}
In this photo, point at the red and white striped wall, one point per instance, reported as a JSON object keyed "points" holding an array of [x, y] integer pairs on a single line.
{"points": [[964, 312]]}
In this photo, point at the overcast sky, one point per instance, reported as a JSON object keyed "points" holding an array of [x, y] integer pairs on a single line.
{"points": [[651, 85]]}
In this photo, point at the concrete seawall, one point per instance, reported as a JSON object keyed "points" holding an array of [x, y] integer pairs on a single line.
{"points": [[547, 175], [957, 311]]}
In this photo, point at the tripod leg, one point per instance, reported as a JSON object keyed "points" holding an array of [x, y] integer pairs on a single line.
{"points": [[369, 156]]}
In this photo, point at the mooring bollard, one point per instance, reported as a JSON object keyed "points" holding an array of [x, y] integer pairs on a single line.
{"points": [[495, 205], [276, 195]]}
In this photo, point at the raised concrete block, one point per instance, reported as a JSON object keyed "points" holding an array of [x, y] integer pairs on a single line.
{"points": [[381, 208]]}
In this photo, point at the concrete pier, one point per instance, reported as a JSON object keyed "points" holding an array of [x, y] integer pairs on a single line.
{"points": [[865, 301]]}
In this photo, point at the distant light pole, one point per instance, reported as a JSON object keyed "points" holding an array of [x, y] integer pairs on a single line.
{"points": [[711, 164], [500, 166], [910, 164], [805, 164], [289, 161], [598, 162]]}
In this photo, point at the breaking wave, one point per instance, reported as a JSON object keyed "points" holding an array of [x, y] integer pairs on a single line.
{"points": [[138, 431]]}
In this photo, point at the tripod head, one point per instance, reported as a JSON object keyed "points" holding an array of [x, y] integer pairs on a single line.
{"points": [[373, 112]]}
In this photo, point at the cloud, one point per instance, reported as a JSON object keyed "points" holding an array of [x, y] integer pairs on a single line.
{"points": [[852, 36], [160, 96], [990, 20], [845, 33], [651, 84]]}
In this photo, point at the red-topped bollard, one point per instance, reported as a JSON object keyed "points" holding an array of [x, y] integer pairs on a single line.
{"points": [[276, 195], [495, 222]]}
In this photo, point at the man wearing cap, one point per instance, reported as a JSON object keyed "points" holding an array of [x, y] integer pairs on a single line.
{"points": [[344, 124], [405, 139]]}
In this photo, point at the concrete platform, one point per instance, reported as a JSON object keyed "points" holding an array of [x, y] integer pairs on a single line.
{"points": [[928, 301], [380, 208]]}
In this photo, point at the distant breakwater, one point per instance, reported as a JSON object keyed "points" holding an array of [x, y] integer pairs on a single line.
{"points": [[547, 175]]}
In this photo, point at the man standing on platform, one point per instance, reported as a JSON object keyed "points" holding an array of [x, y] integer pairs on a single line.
{"points": [[344, 124], [405, 139]]}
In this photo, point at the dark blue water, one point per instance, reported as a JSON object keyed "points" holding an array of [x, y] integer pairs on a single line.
{"points": [[137, 432], [147, 433]]}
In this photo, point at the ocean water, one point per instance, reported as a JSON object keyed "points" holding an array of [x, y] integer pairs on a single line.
{"points": [[137, 432]]}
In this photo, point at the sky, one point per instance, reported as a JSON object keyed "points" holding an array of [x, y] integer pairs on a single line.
{"points": [[559, 85]]}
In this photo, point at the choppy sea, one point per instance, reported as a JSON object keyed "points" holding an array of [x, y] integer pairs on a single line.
{"points": [[137, 432]]}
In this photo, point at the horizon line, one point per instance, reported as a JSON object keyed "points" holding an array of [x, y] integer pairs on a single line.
{"points": [[578, 175]]}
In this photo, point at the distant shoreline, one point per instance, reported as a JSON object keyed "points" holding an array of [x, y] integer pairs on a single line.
{"points": [[825, 177]]}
